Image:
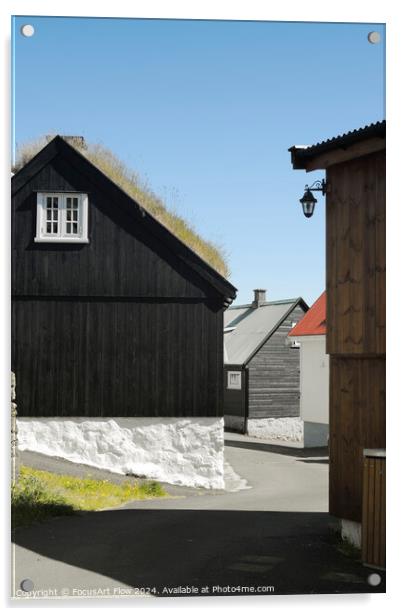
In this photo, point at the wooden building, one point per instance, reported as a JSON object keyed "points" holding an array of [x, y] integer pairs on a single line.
{"points": [[116, 324], [262, 376], [355, 265]]}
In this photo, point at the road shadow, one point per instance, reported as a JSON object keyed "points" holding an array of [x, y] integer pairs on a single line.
{"points": [[314, 461], [294, 552], [296, 452]]}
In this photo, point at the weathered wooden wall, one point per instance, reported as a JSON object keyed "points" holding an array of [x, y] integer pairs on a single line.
{"points": [[374, 511], [235, 401], [357, 421], [356, 256], [355, 323], [122, 259], [274, 374], [118, 327]]}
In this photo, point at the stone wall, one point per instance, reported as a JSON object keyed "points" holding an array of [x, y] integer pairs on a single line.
{"points": [[185, 451], [14, 431]]}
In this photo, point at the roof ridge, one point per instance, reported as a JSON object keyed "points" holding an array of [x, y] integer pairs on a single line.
{"points": [[291, 300]]}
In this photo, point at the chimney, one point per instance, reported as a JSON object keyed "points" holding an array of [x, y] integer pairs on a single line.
{"points": [[75, 140], [259, 297]]}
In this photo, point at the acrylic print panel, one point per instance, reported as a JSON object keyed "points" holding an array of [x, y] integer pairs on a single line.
{"points": [[159, 247]]}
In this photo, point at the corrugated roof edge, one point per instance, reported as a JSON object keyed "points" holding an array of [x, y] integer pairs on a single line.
{"points": [[376, 129]]}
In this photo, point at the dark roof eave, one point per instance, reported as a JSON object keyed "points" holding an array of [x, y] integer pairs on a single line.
{"points": [[301, 156]]}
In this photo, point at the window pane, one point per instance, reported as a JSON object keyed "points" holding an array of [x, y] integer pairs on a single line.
{"points": [[75, 203], [68, 215], [75, 228], [69, 227], [48, 227], [55, 202]]}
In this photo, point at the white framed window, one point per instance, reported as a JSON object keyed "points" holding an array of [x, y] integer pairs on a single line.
{"points": [[234, 380], [62, 217]]}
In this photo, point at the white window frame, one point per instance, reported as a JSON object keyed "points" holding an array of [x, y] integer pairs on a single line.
{"points": [[62, 236], [235, 385]]}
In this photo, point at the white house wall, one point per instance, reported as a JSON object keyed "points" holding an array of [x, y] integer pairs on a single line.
{"points": [[182, 451], [314, 390]]}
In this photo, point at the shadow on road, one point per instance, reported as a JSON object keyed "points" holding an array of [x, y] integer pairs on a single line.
{"points": [[294, 552], [296, 452], [314, 461]]}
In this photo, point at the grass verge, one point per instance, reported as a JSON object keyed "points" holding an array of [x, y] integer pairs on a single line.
{"points": [[38, 495]]}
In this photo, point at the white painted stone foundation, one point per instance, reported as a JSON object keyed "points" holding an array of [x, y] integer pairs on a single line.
{"points": [[183, 451], [352, 532], [279, 428]]}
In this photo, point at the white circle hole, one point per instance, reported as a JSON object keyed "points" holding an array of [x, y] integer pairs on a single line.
{"points": [[27, 585], [27, 30], [374, 579], [374, 37]]}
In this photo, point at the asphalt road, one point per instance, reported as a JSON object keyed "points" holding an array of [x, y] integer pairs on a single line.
{"points": [[273, 538]]}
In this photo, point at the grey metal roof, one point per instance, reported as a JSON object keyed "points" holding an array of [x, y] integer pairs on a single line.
{"points": [[300, 154], [252, 327]]}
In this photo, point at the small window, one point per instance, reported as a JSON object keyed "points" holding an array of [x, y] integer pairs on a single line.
{"points": [[62, 217], [234, 380]]}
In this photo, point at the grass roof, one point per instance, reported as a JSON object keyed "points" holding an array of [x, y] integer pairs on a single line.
{"points": [[132, 184]]}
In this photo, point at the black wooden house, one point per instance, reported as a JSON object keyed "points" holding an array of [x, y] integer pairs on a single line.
{"points": [[262, 368], [112, 315]]}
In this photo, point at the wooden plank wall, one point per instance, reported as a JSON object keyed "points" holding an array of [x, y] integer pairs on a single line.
{"points": [[85, 357], [274, 374], [122, 258], [355, 226], [120, 326], [235, 401], [357, 422], [374, 513]]}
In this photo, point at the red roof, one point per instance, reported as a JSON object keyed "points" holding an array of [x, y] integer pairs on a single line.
{"points": [[314, 321]]}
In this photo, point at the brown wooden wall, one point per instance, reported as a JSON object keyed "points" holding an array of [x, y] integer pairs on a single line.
{"points": [[356, 256], [374, 511], [357, 421], [355, 323]]}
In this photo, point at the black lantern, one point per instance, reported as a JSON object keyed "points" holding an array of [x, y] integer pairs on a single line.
{"points": [[308, 200]]}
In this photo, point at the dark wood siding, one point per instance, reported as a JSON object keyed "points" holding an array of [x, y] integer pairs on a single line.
{"points": [[76, 357], [355, 324], [122, 258], [127, 325], [235, 400], [274, 374]]}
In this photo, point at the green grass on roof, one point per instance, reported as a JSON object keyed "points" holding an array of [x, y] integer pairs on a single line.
{"points": [[131, 183]]}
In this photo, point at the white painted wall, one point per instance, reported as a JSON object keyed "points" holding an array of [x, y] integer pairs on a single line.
{"points": [[182, 451], [352, 532], [276, 429], [314, 379]]}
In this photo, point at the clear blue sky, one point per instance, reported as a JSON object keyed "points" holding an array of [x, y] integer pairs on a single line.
{"points": [[205, 112]]}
